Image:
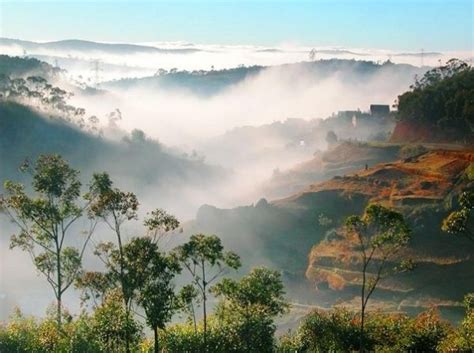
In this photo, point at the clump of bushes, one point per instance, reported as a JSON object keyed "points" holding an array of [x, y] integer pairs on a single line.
{"points": [[335, 330], [338, 331]]}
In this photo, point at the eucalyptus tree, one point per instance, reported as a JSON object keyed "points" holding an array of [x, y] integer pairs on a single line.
{"points": [[114, 207], [45, 221], [378, 236], [254, 301], [151, 272], [203, 256]]}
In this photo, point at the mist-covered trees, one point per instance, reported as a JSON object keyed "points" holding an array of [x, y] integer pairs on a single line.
{"points": [[443, 97], [331, 138], [46, 220], [38, 92]]}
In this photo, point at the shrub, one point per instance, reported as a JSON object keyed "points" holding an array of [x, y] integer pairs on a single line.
{"points": [[461, 339], [25, 334], [335, 330], [111, 325], [338, 330]]}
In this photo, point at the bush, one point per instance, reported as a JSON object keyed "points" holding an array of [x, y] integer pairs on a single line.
{"points": [[461, 339], [183, 338], [112, 325], [223, 336], [335, 330], [338, 331], [25, 334]]}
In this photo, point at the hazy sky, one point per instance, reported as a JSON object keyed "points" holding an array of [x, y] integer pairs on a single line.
{"points": [[391, 24]]}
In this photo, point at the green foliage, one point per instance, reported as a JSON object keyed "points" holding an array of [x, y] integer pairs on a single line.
{"points": [[461, 339], [44, 221], [18, 67], [251, 305], [261, 289], [223, 335], [459, 222], [378, 237], [113, 326], [26, 334], [205, 259], [444, 97], [183, 338], [469, 172], [93, 286], [38, 92], [337, 330]]}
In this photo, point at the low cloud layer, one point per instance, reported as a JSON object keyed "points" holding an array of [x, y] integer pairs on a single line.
{"points": [[146, 58]]}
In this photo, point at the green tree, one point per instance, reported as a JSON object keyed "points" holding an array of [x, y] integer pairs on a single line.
{"points": [[379, 236], [45, 221], [153, 273], [114, 327], [94, 286], [443, 97], [114, 207], [255, 300], [460, 222], [205, 259], [187, 297]]}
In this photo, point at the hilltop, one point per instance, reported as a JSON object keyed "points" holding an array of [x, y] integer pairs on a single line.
{"points": [[292, 237], [344, 157], [138, 161]]}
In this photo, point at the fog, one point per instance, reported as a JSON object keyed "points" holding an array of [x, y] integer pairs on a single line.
{"points": [[148, 57], [210, 125], [181, 118]]}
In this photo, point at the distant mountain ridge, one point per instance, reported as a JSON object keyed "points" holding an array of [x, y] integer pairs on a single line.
{"points": [[84, 45]]}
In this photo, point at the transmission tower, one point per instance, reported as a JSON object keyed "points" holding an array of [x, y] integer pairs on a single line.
{"points": [[96, 69], [422, 57]]}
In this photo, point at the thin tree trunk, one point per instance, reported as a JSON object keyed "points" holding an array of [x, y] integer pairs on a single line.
{"points": [[157, 346], [362, 312], [59, 289], [362, 319], [204, 297], [122, 281], [194, 317]]}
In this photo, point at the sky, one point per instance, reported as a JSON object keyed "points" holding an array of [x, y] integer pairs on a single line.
{"points": [[386, 24]]}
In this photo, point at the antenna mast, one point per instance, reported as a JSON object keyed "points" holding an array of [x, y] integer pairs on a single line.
{"points": [[96, 69]]}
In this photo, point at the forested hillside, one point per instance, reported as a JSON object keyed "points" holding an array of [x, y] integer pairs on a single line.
{"points": [[25, 134], [439, 107]]}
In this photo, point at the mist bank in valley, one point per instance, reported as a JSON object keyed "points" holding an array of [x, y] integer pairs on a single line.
{"points": [[199, 110], [119, 60]]}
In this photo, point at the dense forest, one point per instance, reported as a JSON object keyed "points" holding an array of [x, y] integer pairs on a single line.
{"points": [[442, 98]]}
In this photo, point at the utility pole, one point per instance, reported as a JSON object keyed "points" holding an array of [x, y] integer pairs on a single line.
{"points": [[96, 72], [422, 57]]}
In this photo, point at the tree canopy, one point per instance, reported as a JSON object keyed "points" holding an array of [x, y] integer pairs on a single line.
{"points": [[443, 97]]}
